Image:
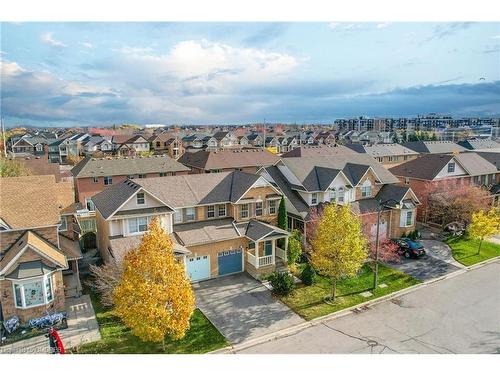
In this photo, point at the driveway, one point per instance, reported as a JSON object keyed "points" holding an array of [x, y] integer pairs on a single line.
{"points": [[241, 308], [437, 262]]}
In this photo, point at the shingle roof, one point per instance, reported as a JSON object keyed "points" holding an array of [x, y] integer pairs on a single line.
{"points": [[434, 147], [475, 144], [179, 191], [392, 149], [318, 151], [205, 232], [121, 166], [474, 164], [492, 157], [353, 165], [208, 160], [256, 230], [28, 202], [392, 192], [425, 167], [30, 269]]}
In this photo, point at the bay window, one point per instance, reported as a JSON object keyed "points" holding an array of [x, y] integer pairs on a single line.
{"points": [[33, 292]]}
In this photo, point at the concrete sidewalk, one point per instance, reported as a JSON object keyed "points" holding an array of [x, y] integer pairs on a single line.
{"points": [[82, 329]]}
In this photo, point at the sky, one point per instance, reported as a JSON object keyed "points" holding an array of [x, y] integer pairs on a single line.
{"points": [[94, 74]]}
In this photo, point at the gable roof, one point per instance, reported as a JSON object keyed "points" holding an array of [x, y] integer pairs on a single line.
{"points": [[390, 149], [179, 191], [257, 230], [354, 166], [226, 159], [493, 157], [318, 151], [116, 166], [474, 164], [475, 144], [425, 167], [29, 201]]}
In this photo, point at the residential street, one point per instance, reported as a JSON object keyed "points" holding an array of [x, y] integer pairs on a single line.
{"points": [[457, 315]]}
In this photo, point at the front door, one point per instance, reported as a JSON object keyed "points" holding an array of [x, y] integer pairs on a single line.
{"points": [[268, 248]]}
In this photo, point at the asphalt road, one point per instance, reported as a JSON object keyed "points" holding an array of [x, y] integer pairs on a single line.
{"points": [[456, 315]]}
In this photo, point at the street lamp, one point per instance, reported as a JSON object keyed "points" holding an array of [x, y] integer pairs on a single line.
{"points": [[381, 205]]}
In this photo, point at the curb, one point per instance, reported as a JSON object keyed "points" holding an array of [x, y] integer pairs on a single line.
{"points": [[232, 349]]}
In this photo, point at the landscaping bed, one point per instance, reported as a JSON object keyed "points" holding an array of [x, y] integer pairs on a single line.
{"points": [[308, 301], [464, 250], [202, 337]]}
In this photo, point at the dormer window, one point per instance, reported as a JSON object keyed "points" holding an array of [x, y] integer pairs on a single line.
{"points": [[141, 199], [451, 167]]}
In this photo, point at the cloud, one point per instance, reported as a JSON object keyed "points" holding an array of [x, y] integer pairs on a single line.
{"points": [[87, 44], [447, 29], [496, 36], [382, 25], [266, 34], [48, 38]]}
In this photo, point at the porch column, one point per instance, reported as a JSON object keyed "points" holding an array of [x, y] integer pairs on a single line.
{"points": [[256, 254], [273, 251], [286, 248]]}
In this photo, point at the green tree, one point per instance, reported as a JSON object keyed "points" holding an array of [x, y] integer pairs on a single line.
{"points": [[484, 225], [12, 168], [339, 246], [282, 219], [294, 247], [154, 297]]}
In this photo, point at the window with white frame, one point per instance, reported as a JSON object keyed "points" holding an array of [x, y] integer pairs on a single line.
{"points": [[222, 210], [333, 195], [108, 180], [366, 189], [190, 214], [272, 207], [138, 224], [244, 211], [141, 198], [258, 208], [407, 218], [210, 212], [340, 195], [178, 216], [141, 175], [33, 292], [451, 167], [314, 198], [95, 180]]}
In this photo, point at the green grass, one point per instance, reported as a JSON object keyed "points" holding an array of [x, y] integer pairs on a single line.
{"points": [[202, 337], [308, 301], [464, 250]]}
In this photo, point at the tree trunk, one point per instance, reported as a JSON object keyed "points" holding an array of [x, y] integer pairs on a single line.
{"points": [[479, 248], [334, 288]]}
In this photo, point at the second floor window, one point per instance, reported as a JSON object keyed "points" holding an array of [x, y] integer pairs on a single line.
{"points": [[95, 180], [108, 180], [142, 176], [451, 167], [314, 198], [222, 210], [244, 211], [258, 208], [210, 212], [272, 207], [190, 214], [137, 225], [366, 190], [141, 199], [340, 197], [178, 216]]}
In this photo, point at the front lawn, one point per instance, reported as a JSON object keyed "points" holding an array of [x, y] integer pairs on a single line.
{"points": [[464, 250], [308, 301], [117, 339]]}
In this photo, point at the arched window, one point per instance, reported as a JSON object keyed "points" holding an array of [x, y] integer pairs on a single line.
{"points": [[340, 195], [366, 189]]}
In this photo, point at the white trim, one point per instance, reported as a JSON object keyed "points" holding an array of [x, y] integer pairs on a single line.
{"points": [[45, 302], [268, 184], [133, 195], [18, 255]]}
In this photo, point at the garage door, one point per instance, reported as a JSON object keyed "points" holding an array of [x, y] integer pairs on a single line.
{"points": [[230, 261], [198, 268], [382, 230]]}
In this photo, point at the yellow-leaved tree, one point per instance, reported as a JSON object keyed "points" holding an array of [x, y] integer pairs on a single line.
{"points": [[338, 247], [484, 224], [154, 297]]}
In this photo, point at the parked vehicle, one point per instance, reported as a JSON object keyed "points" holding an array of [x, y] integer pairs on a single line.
{"points": [[409, 248]]}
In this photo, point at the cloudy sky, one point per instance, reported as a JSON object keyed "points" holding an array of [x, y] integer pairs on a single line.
{"points": [[203, 73]]}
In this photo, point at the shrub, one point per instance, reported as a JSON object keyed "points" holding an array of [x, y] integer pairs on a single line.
{"points": [[294, 247], [282, 283], [308, 275]]}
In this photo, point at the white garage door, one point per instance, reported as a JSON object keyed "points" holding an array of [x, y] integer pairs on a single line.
{"points": [[198, 267]]}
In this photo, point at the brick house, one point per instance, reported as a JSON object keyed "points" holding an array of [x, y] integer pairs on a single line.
{"points": [[93, 175], [129, 145], [354, 179], [432, 169], [38, 258], [246, 160], [221, 223], [166, 144]]}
